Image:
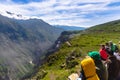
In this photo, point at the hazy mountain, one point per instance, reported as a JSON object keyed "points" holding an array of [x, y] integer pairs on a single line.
{"points": [[69, 28], [22, 45]]}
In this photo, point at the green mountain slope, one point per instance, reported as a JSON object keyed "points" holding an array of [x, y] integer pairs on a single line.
{"points": [[66, 60], [113, 26]]}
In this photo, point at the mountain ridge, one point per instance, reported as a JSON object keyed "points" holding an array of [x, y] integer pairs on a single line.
{"points": [[69, 28]]}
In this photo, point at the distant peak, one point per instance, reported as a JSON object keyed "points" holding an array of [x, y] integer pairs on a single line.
{"points": [[9, 13], [13, 15]]}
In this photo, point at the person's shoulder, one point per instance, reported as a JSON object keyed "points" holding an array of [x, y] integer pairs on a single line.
{"points": [[100, 50]]}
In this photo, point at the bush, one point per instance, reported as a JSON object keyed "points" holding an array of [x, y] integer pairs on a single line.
{"points": [[72, 64], [41, 75]]}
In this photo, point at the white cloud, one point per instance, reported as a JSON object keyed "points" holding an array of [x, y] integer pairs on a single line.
{"points": [[69, 12]]}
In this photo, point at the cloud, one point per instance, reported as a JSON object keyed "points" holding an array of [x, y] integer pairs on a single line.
{"points": [[70, 12]]}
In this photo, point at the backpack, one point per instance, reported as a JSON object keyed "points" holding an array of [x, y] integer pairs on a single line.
{"points": [[89, 70]]}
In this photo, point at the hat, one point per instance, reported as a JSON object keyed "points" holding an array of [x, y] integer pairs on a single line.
{"points": [[95, 55], [110, 41]]}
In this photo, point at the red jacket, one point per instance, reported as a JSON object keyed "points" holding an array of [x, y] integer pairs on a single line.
{"points": [[103, 54]]}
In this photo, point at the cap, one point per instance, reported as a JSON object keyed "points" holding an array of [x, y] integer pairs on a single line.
{"points": [[95, 55]]}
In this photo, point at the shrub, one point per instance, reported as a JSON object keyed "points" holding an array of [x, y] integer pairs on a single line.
{"points": [[41, 75], [72, 64]]}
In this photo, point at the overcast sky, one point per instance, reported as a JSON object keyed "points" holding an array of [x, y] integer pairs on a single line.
{"points": [[83, 13]]}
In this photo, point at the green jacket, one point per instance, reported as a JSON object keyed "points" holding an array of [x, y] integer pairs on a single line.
{"points": [[114, 47]]}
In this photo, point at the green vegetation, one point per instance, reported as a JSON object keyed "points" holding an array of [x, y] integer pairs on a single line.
{"points": [[113, 26], [60, 64], [67, 60], [3, 70]]}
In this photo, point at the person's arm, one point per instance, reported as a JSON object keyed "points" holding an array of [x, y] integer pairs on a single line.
{"points": [[82, 76]]}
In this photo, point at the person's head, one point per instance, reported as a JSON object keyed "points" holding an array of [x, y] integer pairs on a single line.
{"points": [[110, 43], [95, 55], [102, 46], [107, 44]]}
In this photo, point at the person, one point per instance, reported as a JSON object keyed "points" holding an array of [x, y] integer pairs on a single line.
{"points": [[99, 69], [107, 46], [113, 67], [103, 53], [117, 55], [113, 46]]}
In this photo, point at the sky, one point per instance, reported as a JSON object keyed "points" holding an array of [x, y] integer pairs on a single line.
{"points": [[81, 13]]}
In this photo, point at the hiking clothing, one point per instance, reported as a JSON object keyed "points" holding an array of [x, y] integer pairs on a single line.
{"points": [[103, 54], [114, 47], [101, 70], [117, 55], [113, 68]]}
